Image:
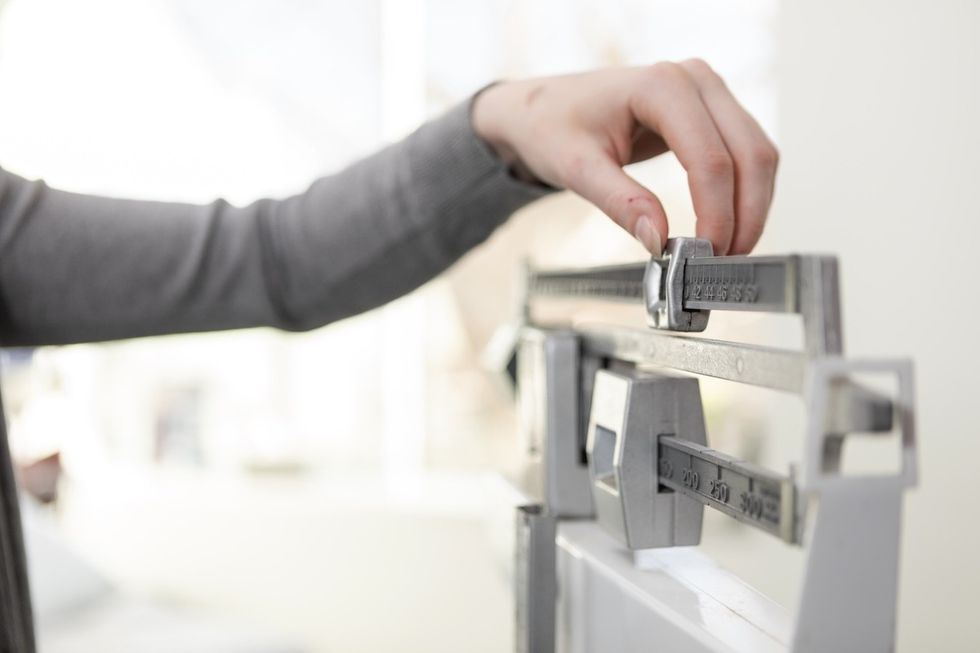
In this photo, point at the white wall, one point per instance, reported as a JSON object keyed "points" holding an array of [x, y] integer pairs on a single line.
{"points": [[880, 135]]}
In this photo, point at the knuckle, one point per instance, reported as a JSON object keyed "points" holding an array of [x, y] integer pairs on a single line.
{"points": [[765, 156], [717, 163], [666, 72], [699, 67]]}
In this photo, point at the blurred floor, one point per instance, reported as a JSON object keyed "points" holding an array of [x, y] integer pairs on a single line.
{"points": [[339, 563]]}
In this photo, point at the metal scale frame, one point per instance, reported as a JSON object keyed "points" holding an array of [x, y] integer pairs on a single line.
{"points": [[613, 440]]}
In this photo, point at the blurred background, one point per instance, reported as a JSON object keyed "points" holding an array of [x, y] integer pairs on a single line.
{"points": [[340, 490]]}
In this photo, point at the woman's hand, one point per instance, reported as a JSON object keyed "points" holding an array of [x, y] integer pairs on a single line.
{"points": [[578, 131]]}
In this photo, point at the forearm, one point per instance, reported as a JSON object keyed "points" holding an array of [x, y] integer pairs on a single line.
{"points": [[76, 268]]}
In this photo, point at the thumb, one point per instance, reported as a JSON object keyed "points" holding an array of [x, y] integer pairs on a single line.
{"points": [[602, 181]]}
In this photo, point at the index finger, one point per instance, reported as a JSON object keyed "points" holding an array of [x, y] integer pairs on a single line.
{"points": [[668, 102]]}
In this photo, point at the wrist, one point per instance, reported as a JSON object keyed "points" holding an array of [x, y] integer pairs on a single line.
{"points": [[492, 110]]}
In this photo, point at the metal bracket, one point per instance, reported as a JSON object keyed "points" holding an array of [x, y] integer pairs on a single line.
{"points": [[862, 511], [551, 373], [825, 376]]}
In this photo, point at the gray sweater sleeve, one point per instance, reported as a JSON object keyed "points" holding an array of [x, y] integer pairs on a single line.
{"points": [[77, 268]]}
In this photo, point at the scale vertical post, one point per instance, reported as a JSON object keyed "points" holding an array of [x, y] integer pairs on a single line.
{"points": [[850, 586], [535, 584]]}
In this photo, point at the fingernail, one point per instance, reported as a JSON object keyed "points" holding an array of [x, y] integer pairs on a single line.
{"points": [[645, 233]]}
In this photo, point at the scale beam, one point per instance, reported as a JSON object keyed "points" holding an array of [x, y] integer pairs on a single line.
{"points": [[749, 493], [680, 289], [719, 283]]}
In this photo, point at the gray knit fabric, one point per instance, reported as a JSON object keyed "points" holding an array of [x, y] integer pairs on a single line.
{"points": [[75, 268]]}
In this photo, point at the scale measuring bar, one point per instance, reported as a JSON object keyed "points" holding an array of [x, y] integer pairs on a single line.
{"points": [[680, 289], [762, 283], [742, 283], [749, 493]]}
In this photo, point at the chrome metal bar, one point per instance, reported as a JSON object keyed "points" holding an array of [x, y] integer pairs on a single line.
{"points": [[855, 407], [615, 282], [741, 283], [681, 289], [760, 366], [722, 283], [749, 493]]}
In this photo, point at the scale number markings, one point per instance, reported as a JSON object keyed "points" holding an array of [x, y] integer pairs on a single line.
{"points": [[750, 504], [722, 283], [749, 494], [718, 490], [690, 478]]}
